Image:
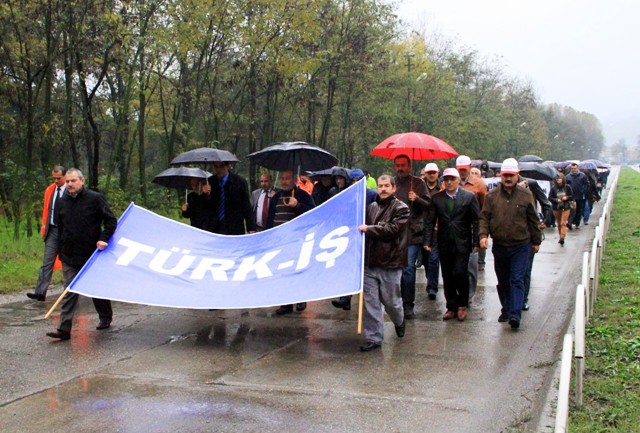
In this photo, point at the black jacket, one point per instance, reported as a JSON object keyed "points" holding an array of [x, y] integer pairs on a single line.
{"points": [[83, 221], [460, 226], [386, 238], [538, 194], [558, 190], [238, 217]]}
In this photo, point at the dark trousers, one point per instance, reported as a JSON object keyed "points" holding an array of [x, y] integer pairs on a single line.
{"points": [[510, 264], [70, 302], [527, 276], [577, 213], [49, 259], [455, 276], [431, 261]]}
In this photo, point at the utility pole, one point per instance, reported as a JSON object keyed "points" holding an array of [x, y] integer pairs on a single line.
{"points": [[409, 56]]}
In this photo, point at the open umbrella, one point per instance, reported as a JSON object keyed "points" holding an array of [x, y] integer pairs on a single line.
{"points": [[587, 165], [180, 177], [530, 158], [296, 155], [416, 145], [537, 171], [204, 155]]}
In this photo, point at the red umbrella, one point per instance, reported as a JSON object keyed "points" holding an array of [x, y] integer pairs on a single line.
{"points": [[416, 145]]}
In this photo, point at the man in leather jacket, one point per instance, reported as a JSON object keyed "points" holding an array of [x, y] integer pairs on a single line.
{"points": [[385, 256]]}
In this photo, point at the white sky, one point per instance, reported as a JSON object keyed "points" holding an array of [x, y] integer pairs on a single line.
{"points": [[581, 53]]}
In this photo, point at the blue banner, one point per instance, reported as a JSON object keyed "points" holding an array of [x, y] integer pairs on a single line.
{"points": [[157, 261]]}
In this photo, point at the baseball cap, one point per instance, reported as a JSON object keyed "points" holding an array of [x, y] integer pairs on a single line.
{"points": [[463, 161], [510, 166], [450, 172], [431, 167]]}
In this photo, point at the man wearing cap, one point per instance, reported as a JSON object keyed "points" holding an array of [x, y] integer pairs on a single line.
{"points": [[510, 218], [430, 257], [479, 188], [412, 191], [455, 211]]}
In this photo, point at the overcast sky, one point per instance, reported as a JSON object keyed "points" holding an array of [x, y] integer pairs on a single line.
{"points": [[581, 53]]}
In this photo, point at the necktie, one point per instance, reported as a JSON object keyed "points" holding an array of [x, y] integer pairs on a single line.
{"points": [[54, 207], [265, 209], [221, 203], [59, 192]]}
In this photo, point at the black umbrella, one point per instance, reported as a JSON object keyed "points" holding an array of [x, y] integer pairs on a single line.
{"points": [[204, 155], [297, 156], [530, 158], [537, 171], [180, 177]]}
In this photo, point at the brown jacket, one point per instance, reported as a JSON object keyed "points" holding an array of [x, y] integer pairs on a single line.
{"points": [[386, 235], [510, 219], [478, 187], [418, 208]]}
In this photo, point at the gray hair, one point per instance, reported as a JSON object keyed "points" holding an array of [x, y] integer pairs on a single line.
{"points": [[78, 172]]}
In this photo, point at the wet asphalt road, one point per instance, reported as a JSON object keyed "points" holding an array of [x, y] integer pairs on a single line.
{"points": [[168, 370]]}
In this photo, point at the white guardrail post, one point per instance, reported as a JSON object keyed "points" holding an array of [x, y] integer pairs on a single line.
{"points": [[585, 283], [562, 412], [579, 341]]}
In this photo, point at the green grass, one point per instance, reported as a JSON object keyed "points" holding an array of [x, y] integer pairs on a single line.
{"points": [[20, 260], [612, 379]]}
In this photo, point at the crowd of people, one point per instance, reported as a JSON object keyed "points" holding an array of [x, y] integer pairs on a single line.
{"points": [[442, 222]]}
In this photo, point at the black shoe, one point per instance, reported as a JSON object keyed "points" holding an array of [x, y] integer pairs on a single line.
{"points": [[301, 306], [503, 318], [35, 296], [514, 323], [408, 313], [400, 329], [104, 324], [525, 306], [369, 346], [561, 241], [570, 226], [284, 309], [432, 296], [61, 335], [344, 305]]}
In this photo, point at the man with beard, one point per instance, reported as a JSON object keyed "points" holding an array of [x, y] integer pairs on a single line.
{"points": [[286, 204], [510, 218], [385, 256], [260, 199], [412, 191]]}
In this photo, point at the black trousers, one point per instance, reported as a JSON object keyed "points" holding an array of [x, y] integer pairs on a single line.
{"points": [[455, 275], [70, 302]]}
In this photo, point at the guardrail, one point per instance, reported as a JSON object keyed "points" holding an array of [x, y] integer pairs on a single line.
{"points": [[586, 293]]}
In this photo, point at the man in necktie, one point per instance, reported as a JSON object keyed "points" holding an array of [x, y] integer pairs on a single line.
{"points": [[229, 201], [49, 233], [260, 201], [455, 212]]}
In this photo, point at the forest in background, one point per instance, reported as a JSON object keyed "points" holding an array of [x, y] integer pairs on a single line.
{"points": [[118, 88]]}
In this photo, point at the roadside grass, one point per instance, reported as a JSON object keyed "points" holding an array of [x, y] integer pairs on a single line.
{"points": [[611, 386], [20, 260]]}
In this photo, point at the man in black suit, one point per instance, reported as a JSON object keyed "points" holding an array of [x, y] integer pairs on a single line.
{"points": [[85, 222], [229, 199], [455, 211]]}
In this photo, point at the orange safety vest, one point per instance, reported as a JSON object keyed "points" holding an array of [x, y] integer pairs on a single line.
{"points": [[45, 219]]}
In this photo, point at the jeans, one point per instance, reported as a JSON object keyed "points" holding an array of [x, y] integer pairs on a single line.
{"points": [[511, 264], [586, 213], [408, 281], [527, 276]]}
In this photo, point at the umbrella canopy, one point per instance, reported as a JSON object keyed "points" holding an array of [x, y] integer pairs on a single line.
{"points": [[316, 174], [530, 158], [598, 163], [416, 145], [561, 165], [180, 177], [537, 171], [296, 155], [204, 155], [587, 165]]}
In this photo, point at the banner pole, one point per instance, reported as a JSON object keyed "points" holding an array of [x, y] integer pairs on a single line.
{"points": [[360, 306], [55, 305]]}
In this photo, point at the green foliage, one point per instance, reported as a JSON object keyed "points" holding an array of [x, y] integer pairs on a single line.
{"points": [[612, 379]]}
